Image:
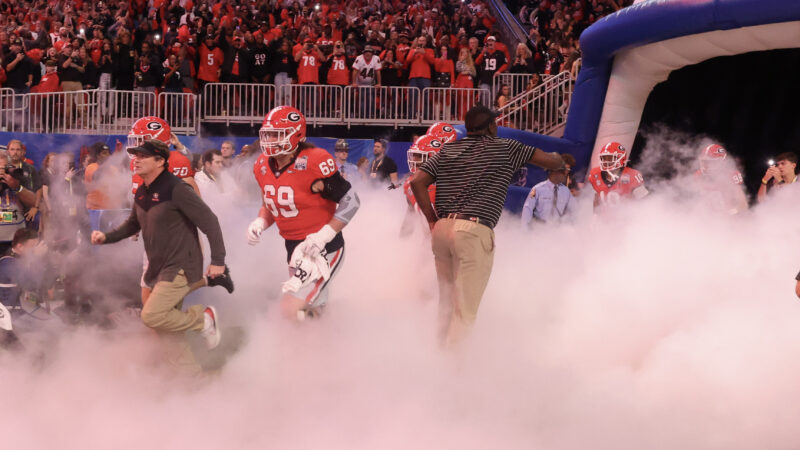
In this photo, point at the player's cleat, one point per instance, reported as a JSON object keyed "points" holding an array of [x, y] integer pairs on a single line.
{"points": [[223, 280], [211, 331]]}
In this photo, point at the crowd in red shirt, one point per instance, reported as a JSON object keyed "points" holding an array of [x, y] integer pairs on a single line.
{"points": [[126, 45]]}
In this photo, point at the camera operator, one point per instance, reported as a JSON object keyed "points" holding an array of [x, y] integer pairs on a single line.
{"points": [[14, 197]]}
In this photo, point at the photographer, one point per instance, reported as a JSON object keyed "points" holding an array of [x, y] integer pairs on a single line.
{"points": [[14, 197]]}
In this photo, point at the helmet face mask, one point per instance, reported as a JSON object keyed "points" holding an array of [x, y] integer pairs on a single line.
{"points": [[711, 157], [613, 157], [275, 141], [415, 159], [421, 150], [135, 140], [610, 162]]}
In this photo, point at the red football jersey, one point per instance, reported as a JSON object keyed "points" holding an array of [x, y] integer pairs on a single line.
{"points": [[629, 180], [297, 211], [308, 68], [179, 165], [339, 72], [735, 177], [410, 195], [210, 62]]}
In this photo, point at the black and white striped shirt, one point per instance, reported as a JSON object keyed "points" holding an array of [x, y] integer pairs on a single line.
{"points": [[472, 175]]}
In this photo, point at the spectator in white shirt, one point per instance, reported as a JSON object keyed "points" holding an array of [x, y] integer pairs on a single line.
{"points": [[208, 179]]}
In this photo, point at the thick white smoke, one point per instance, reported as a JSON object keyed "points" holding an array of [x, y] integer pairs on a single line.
{"points": [[665, 325]]}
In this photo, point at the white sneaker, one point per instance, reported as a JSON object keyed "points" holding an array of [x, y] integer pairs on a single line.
{"points": [[210, 329]]}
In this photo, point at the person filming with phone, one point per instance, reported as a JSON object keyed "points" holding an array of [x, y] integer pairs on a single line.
{"points": [[782, 172]]}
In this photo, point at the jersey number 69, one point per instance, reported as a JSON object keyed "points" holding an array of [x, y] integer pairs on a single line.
{"points": [[285, 199]]}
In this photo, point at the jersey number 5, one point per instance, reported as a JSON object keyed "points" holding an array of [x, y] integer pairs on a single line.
{"points": [[285, 199]]}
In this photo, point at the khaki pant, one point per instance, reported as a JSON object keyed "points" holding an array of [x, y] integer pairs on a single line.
{"points": [[163, 313], [70, 99], [464, 253]]}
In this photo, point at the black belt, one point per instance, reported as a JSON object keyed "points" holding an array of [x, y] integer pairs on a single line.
{"points": [[463, 217]]}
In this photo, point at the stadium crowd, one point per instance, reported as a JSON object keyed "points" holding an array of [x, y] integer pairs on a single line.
{"points": [[182, 45]]}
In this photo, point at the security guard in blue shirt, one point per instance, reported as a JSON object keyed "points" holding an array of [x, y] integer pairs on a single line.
{"points": [[549, 200]]}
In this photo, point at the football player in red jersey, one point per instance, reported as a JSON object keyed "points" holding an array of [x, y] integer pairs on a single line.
{"points": [[443, 132], [719, 177], [613, 180], [420, 151], [151, 127], [309, 201]]}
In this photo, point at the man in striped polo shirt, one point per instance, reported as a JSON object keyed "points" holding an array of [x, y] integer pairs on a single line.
{"points": [[472, 176]]}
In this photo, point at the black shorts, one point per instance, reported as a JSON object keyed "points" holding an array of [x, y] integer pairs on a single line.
{"points": [[335, 244]]}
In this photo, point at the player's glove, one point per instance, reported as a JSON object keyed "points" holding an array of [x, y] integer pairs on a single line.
{"points": [[315, 242], [305, 271], [255, 229]]}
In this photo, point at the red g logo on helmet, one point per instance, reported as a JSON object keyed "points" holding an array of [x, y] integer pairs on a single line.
{"points": [[421, 150], [283, 129], [714, 152], [613, 156], [711, 155], [149, 127], [442, 131]]}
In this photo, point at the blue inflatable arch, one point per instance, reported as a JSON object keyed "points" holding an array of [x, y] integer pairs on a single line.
{"points": [[626, 54]]}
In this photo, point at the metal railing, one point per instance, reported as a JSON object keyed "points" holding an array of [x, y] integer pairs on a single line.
{"points": [[236, 102], [113, 112], [117, 110], [181, 110], [542, 109], [451, 104], [320, 104], [385, 105], [77, 112], [517, 81], [12, 108]]}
